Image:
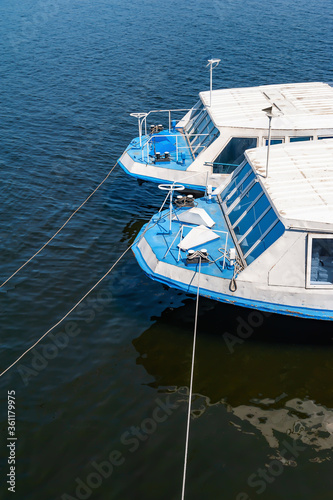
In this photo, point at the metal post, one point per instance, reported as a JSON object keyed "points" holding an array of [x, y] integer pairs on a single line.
{"points": [[169, 120], [213, 63], [140, 117], [171, 191], [181, 238], [140, 131], [226, 246], [211, 84], [269, 143], [269, 114]]}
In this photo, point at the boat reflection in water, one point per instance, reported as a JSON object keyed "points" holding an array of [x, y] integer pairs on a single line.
{"points": [[275, 383]]}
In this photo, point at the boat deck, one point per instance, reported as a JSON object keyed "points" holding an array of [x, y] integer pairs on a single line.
{"points": [[172, 142], [164, 244]]}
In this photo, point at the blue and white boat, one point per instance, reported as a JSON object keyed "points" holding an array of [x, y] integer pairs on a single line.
{"points": [[264, 241], [208, 143]]}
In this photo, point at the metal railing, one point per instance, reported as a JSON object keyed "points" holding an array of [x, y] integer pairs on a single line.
{"points": [[142, 120], [142, 117], [145, 146], [180, 233], [169, 111]]}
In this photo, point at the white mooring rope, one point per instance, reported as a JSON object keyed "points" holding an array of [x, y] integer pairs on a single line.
{"points": [[62, 227], [68, 313], [86, 295], [191, 384]]}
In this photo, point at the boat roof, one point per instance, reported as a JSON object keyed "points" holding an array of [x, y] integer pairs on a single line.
{"points": [[299, 182], [304, 106]]}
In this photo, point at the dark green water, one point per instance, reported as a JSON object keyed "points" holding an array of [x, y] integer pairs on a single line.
{"points": [[101, 405]]}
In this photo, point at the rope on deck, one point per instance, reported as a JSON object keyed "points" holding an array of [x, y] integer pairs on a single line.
{"points": [[62, 227], [191, 383]]}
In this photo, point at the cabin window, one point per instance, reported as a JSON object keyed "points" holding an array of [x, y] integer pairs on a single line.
{"points": [[301, 139], [251, 216], [242, 188], [326, 137], [274, 141], [236, 180], [194, 113], [200, 130], [320, 261], [233, 154]]}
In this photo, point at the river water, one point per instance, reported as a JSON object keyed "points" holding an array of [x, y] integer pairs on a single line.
{"points": [[101, 403]]}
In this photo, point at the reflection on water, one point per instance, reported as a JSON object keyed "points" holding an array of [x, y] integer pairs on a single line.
{"points": [[275, 383], [69, 81], [304, 420]]}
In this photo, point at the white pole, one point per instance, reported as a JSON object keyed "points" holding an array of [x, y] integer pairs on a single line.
{"points": [[211, 83], [140, 130], [269, 114], [269, 142], [212, 62], [140, 117], [171, 191]]}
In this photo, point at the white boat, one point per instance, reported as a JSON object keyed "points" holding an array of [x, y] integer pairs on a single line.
{"points": [[264, 242], [208, 143]]}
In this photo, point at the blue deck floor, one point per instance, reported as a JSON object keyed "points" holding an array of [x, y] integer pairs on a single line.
{"points": [[172, 142], [159, 239]]}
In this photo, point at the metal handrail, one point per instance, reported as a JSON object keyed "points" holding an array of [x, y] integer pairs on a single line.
{"points": [[180, 231], [150, 139], [145, 115], [164, 111], [215, 231], [190, 143]]}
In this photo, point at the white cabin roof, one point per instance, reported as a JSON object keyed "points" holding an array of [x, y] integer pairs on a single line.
{"points": [[301, 106], [299, 182]]}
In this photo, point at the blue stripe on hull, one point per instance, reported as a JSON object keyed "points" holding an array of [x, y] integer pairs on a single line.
{"points": [[300, 312]]}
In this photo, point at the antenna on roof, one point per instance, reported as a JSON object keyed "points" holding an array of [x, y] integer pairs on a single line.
{"points": [[269, 114], [213, 63]]}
